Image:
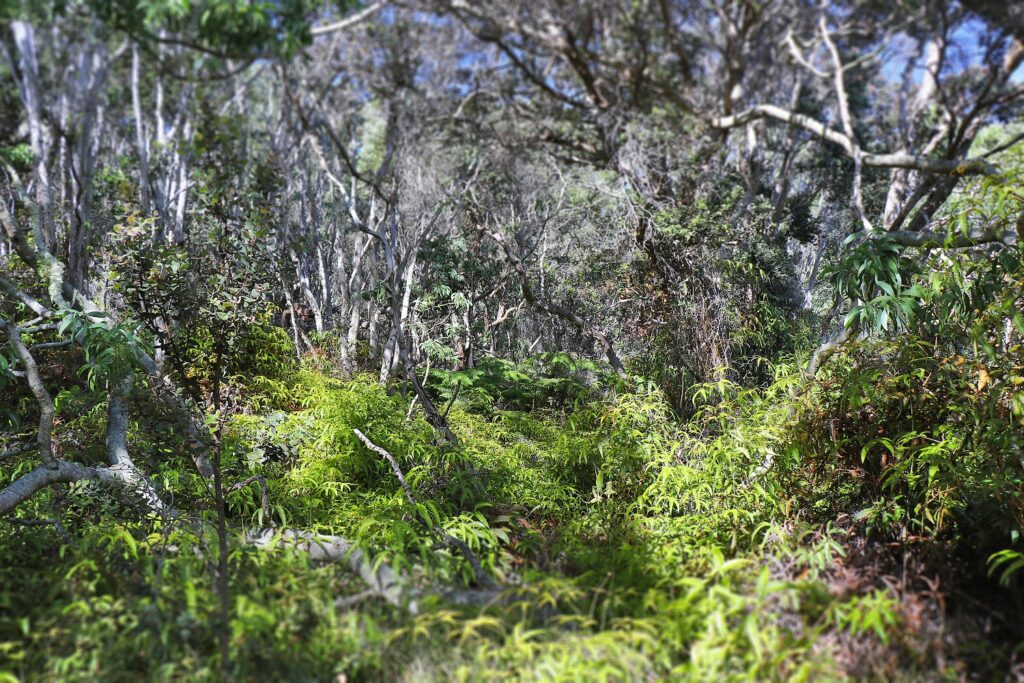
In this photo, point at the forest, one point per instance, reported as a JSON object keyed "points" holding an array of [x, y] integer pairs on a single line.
{"points": [[511, 340]]}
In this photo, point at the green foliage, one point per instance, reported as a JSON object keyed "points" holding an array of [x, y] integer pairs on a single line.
{"points": [[629, 547], [871, 613], [872, 274], [718, 288], [203, 303], [544, 380], [227, 29], [925, 436], [18, 156], [111, 349], [704, 220], [717, 516]]}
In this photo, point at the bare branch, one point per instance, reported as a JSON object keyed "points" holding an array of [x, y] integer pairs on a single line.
{"points": [[25, 487], [599, 337], [325, 548], [35, 383], [17, 450], [827, 350], [391, 461], [122, 470], [36, 307], [945, 240], [121, 462], [799, 57], [839, 79], [53, 345], [952, 167], [348, 22]]}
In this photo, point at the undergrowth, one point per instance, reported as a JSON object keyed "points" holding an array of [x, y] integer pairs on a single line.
{"points": [[628, 546]]}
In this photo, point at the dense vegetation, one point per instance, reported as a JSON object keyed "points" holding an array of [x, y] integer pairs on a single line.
{"points": [[437, 340]]}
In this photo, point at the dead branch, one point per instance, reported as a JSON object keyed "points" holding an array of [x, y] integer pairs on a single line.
{"points": [[447, 540], [17, 450], [36, 307], [35, 383], [325, 548], [348, 22]]}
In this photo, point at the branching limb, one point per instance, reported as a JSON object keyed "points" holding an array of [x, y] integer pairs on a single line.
{"points": [[121, 472], [62, 472], [839, 80], [599, 337], [120, 460], [953, 167], [64, 295], [798, 56]]}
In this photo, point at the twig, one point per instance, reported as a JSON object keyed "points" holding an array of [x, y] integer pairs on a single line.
{"points": [[264, 495], [455, 395], [447, 540], [52, 345], [352, 600]]}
